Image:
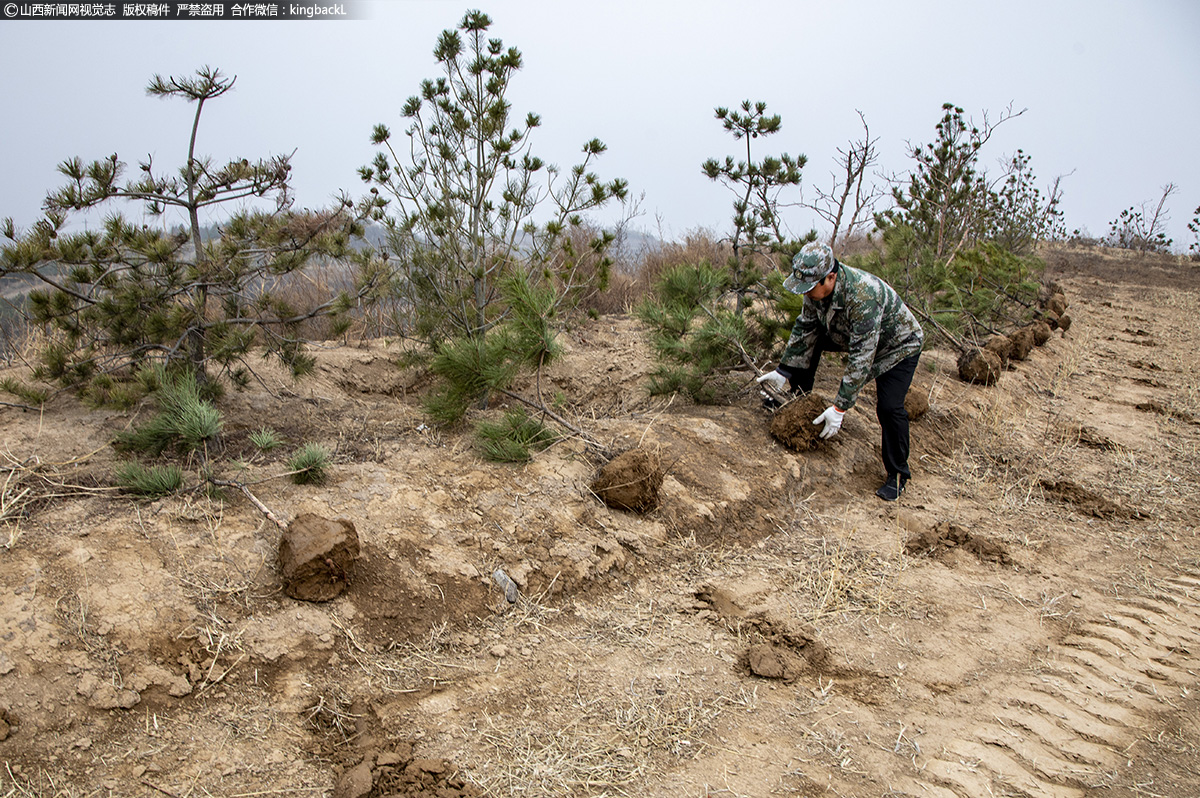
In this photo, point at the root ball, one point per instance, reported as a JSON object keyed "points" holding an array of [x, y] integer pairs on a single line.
{"points": [[1002, 347], [916, 404], [1022, 343], [979, 366], [630, 481], [1041, 332], [792, 425], [316, 557]]}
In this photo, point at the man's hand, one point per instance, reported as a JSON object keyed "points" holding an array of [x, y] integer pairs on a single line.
{"points": [[832, 419], [775, 380]]}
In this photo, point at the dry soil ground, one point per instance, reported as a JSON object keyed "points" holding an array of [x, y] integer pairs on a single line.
{"points": [[1024, 622]]}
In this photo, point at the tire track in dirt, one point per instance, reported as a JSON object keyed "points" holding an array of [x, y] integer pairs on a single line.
{"points": [[1066, 730]]}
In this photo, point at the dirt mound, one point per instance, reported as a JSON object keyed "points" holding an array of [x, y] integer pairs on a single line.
{"points": [[1086, 501], [793, 424], [774, 662], [396, 772], [316, 557], [979, 366], [946, 536], [630, 481]]}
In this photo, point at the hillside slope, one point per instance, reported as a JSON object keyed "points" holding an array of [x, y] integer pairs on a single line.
{"points": [[1025, 621]]}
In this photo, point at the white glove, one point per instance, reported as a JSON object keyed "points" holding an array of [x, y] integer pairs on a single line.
{"points": [[775, 380], [832, 419]]}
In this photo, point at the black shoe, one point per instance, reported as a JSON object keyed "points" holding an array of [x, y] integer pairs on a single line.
{"points": [[892, 489]]}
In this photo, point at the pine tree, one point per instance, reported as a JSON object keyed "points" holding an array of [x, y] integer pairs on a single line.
{"points": [[128, 294], [758, 229], [464, 186]]}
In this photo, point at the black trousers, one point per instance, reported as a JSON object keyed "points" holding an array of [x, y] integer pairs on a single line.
{"points": [[890, 388]]}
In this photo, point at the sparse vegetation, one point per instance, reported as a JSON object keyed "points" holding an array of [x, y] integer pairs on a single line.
{"points": [[759, 233], [1194, 228], [489, 239], [763, 627], [127, 294], [458, 199], [309, 465], [26, 393], [695, 337], [265, 439], [185, 420], [849, 204], [958, 245], [1142, 227], [152, 481], [707, 318], [514, 438]]}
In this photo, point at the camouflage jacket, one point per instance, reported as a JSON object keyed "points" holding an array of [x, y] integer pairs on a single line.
{"points": [[865, 317]]}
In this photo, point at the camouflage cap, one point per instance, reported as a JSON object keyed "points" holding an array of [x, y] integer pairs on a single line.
{"points": [[809, 267]]}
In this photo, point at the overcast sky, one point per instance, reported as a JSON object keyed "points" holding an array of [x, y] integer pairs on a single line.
{"points": [[1112, 91]]}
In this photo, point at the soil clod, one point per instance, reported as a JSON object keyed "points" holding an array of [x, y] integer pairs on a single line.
{"points": [[916, 404], [979, 366], [316, 557], [773, 662], [946, 536], [1086, 501], [396, 772], [1022, 343], [630, 481], [793, 424]]}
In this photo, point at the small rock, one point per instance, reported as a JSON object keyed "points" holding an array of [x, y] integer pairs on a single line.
{"points": [[356, 782], [390, 758], [109, 697], [499, 650], [427, 766], [506, 584]]}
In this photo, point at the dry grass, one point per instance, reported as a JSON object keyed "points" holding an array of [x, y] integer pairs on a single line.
{"points": [[408, 667], [996, 462], [27, 483], [1048, 605], [834, 578], [698, 246], [1066, 370], [622, 621], [43, 784], [601, 743], [332, 717], [222, 573]]}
